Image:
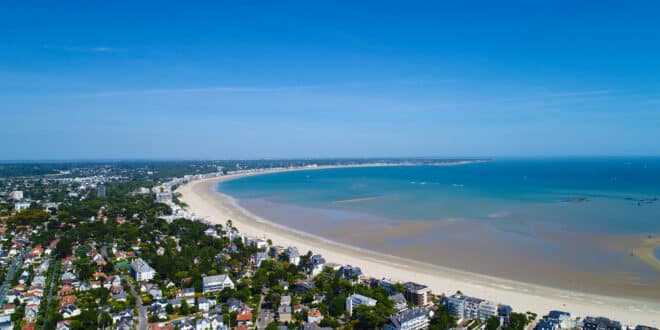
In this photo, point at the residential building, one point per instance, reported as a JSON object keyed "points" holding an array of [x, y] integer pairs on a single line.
{"points": [[164, 197], [261, 256], [284, 313], [356, 300], [400, 303], [141, 271], [466, 307], [560, 320], [318, 263], [294, 256], [216, 283], [417, 294], [314, 316], [600, 323], [18, 207], [16, 195], [5, 322], [348, 272], [504, 311], [412, 319]]}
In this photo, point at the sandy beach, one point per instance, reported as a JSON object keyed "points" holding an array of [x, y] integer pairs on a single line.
{"points": [[206, 203]]}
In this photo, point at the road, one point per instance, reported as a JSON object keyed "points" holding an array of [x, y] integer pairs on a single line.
{"points": [[15, 265], [265, 315], [53, 276], [142, 313]]}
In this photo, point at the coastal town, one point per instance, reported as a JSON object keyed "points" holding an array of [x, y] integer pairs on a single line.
{"points": [[107, 246]]}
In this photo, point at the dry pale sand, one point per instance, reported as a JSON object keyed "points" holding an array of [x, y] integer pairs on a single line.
{"points": [[214, 207]]}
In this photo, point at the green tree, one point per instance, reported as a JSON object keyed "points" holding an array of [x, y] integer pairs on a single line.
{"points": [[184, 309], [106, 319], [493, 323], [272, 326], [442, 320], [517, 321]]}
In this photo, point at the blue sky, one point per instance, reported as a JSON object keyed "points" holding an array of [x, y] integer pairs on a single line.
{"points": [[269, 79]]}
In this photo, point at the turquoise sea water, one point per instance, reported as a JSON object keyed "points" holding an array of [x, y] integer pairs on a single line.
{"points": [[562, 222], [598, 195]]}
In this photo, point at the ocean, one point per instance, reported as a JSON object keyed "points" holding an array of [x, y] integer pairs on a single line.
{"points": [[569, 223]]}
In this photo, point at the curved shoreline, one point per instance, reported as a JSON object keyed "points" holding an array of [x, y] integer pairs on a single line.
{"points": [[216, 207]]}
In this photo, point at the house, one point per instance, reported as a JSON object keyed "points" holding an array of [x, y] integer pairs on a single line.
{"points": [[187, 294], [37, 251], [68, 300], [284, 313], [204, 304], [5, 322], [285, 301], [411, 319], [175, 303], [125, 315], [318, 263], [348, 272], [156, 293], [356, 300], [217, 321], [303, 287], [216, 283], [294, 256], [121, 296], [13, 295], [68, 278], [211, 231], [234, 305], [9, 309], [141, 271], [314, 316], [31, 311], [63, 325], [261, 256], [65, 290], [202, 324], [469, 308], [244, 318], [69, 311], [39, 281]]}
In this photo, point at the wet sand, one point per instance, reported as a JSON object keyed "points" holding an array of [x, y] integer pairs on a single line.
{"points": [[646, 252], [410, 265]]}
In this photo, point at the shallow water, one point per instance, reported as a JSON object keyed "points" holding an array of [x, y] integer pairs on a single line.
{"points": [[520, 219]]}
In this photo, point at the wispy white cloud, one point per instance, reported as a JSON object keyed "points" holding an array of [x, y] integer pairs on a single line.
{"points": [[250, 89], [584, 93], [81, 49]]}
